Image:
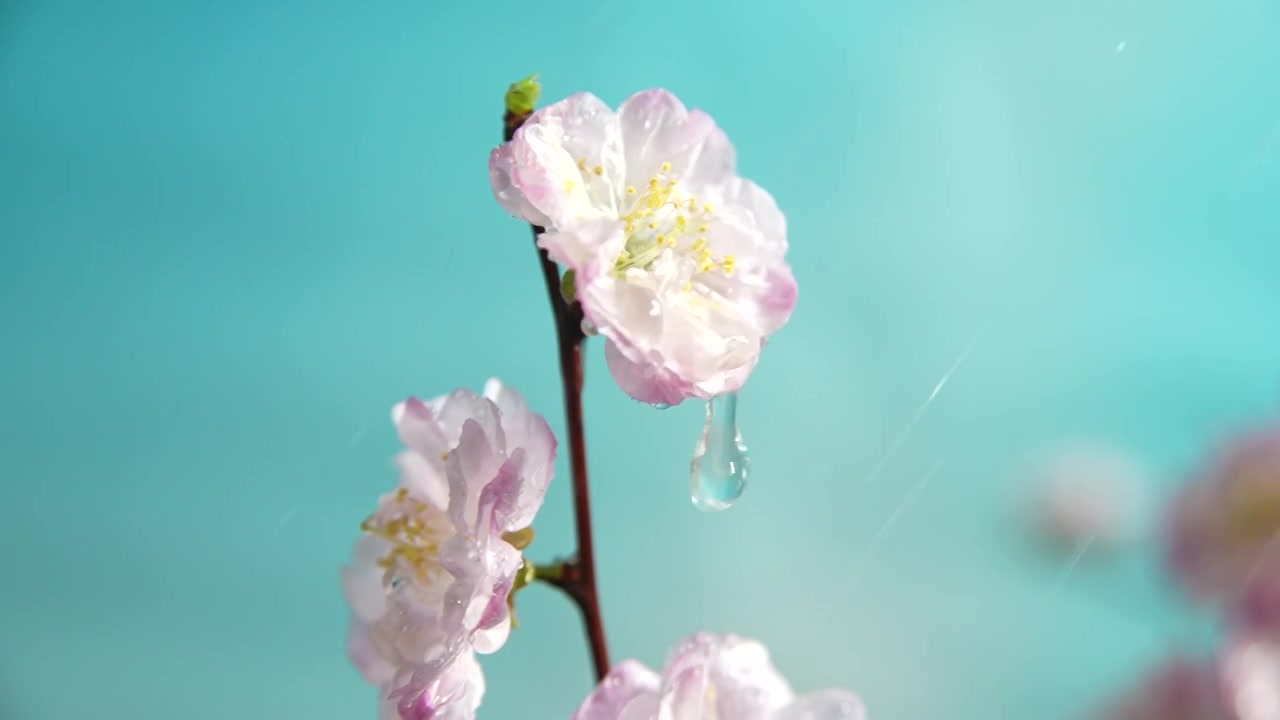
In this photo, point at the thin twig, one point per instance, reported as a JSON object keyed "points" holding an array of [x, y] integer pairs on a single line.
{"points": [[577, 577]]}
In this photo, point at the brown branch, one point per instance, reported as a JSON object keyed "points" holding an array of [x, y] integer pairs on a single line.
{"points": [[577, 577]]}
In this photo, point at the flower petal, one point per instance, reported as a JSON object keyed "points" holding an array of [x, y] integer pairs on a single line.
{"points": [[418, 427], [424, 477], [761, 212], [629, 692], [657, 129], [483, 564], [470, 467], [362, 580], [461, 405], [716, 161], [564, 164], [529, 433], [502, 169], [364, 655], [491, 639], [647, 382], [590, 240], [824, 705], [722, 676], [450, 692]]}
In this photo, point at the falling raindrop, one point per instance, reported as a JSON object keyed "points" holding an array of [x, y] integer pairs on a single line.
{"points": [[718, 472]]}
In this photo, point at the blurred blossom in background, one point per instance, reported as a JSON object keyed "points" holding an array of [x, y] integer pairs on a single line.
{"points": [[233, 234]]}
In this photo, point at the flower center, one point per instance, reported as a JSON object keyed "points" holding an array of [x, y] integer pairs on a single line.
{"points": [[662, 218], [413, 531]]}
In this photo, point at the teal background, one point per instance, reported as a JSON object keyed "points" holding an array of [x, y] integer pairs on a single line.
{"points": [[233, 234]]}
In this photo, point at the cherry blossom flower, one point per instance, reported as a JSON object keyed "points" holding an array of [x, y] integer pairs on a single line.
{"points": [[430, 579], [712, 676], [1223, 525], [677, 261], [1182, 689]]}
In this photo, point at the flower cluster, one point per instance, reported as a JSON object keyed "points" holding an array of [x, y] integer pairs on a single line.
{"points": [[1223, 544], [679, 264], [431, 577], [677, 261]]}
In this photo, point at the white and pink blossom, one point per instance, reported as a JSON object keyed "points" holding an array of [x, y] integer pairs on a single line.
{"points": [[712, 676], [679, 262], [430, 579]]}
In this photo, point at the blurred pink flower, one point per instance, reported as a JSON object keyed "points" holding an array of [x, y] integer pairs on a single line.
{"points": [[679, 263], [429, 581], [1180, 690], [712, 676], [1250, 660], [1222, 525], [1259, 609], [1089, 494]]}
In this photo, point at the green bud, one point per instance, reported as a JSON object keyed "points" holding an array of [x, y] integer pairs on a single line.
{"points": [[569, 286], [522, 96]]}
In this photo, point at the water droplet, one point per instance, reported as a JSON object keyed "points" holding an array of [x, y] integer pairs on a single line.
{"points": [[660, 406], [588, 328], [718, 472]]}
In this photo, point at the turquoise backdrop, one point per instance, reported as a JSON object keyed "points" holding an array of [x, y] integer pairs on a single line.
{"points": [[232, 234]]}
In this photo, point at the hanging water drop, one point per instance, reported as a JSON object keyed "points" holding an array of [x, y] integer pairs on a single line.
{"points": [[718, 472], [661, 406]]}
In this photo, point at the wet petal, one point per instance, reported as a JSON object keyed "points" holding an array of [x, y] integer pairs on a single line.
{"points": [[565, 164], [657, 129], [722, 676], [825, 705], [629, 692]]}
